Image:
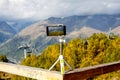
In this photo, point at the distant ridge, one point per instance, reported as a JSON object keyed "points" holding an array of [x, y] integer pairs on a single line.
{"points": [[116, 30], [86, 31], [6, 31], [34, 30]]}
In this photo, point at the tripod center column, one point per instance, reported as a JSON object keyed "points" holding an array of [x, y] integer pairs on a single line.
{"points": [[62, 64]]}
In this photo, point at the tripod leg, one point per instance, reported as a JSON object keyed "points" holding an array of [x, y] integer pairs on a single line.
{"points": [[53, 64], [68, 65]]}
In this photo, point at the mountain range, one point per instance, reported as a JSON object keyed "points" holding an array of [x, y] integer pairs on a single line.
{"points": [[76, 26], [6, 31], [116, 30]]}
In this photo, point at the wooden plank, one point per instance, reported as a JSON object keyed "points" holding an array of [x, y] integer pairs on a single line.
{"points": [[88, 72], [41, 74], [31, 72]]}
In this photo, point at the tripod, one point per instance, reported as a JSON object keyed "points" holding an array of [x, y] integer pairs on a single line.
{"points": [[61, 59]]}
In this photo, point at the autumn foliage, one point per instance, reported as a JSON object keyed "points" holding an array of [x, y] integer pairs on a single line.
{"points": [[80, 53]]}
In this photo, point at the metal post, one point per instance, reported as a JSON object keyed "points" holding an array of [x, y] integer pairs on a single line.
{"points": [[60, 46], [62, 67], [25, 53]]}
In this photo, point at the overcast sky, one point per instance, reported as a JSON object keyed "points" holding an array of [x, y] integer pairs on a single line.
{"points": [[42, 9]]}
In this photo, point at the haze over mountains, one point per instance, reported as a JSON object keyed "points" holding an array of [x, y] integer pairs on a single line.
{"points": [[76, 25], [6, 31], [10, 28]]}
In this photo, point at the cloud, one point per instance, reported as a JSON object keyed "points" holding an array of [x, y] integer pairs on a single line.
{"points": [[41, 9]]}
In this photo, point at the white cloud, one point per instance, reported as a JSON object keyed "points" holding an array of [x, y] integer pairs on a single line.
{"points": [[41, 9]]}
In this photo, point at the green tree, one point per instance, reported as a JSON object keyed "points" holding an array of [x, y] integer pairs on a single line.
{"points": [[3, 58]]}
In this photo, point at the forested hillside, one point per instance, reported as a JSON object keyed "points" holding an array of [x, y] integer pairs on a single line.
{"points": [[80, 53]]}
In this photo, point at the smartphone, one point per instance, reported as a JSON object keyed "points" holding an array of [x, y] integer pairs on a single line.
{"points": [[58, 30]]}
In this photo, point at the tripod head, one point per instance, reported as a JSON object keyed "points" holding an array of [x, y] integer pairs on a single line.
{"points": [[62, 40]]}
